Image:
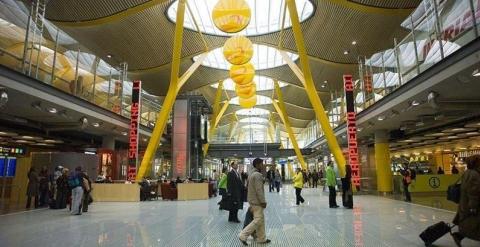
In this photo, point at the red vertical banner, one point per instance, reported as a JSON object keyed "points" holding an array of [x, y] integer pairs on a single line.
{"points": [[353, 157], [134, 125]]}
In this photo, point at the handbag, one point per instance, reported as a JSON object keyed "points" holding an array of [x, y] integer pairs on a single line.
{"points": [[454, 191]]}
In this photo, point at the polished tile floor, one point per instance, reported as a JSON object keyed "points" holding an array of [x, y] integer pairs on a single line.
{"points": [[374, 221]]}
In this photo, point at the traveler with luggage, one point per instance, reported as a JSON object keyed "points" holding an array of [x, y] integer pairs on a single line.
{"points": [[468, 213], [278, 180], [406, 181], [32, 188], [63, 190], [347, 193], [87, 188]]}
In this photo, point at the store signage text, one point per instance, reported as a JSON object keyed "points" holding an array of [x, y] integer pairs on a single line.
{"points": [[133, 137], [353, 157]]}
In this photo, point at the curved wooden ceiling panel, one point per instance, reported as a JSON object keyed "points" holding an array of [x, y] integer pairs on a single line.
{"points": [[84, 10], [390, 4]]}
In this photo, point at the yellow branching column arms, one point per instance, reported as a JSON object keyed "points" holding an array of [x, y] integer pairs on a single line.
{"points": [[175, 85], [280, 108], [309, 85]]}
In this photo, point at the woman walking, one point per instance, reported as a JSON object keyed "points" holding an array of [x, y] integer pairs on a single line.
{"points": [[298, 184]]}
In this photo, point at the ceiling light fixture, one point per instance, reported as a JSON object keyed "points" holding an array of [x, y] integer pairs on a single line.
{"points": [[346, 52], [52, 110], [414, 103], [354, 42], [381, 118], [476, 73], [124, 133], [109, 55], [3, 97], [419, 124], [96, 125]]}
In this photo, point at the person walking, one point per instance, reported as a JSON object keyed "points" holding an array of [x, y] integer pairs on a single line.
{"points": [[271, 179], [32, 188], [256, 199], [315, 178], [63, 190], [468, 212], [87, 188], [347, 193], [235, 193], [407, 180], [75, 182], [278, 180], [298, 184], [331, 183]]}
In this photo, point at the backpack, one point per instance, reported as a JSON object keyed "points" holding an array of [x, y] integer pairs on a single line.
{"points": [[74, 181]]}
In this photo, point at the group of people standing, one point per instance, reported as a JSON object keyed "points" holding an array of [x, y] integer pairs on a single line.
{"points": [[347, 193], [274, 180], [59, 189]]}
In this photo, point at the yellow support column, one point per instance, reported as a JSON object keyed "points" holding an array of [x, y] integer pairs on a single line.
{"points": [[164, 113], [311, 90], [216, 116], [280, 108], [382, 162]]}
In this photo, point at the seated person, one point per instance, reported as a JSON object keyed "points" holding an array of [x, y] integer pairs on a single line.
{"points": [[173, 184], [178, 181]]}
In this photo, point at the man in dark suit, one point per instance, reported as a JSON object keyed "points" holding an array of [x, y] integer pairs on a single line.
{"points": [[235, 192]]}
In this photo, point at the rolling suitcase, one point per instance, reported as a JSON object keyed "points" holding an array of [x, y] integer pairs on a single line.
{"points": [[434, 232]]}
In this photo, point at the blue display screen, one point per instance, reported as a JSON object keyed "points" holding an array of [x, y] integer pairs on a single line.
{"points": [[2, 166], [11, 166]]}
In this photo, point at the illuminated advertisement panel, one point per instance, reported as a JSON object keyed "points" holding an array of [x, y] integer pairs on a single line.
{"points": [[133, 135], [353, 157]]}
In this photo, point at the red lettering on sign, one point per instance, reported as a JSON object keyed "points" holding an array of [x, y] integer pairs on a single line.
{"points": [[353, 157], [133, 133]]}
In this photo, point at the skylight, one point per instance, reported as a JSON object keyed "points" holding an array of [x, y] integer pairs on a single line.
{"points": [[261, 100], [252, 112], [253, 120], [264, 57], [263, 83], [266, 16]]}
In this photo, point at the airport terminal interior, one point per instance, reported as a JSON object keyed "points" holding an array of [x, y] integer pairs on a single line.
{"points": [[240, 122]]}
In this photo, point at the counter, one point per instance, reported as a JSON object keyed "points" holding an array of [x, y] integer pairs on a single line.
{"points": [[428, 183], [192, 191], [115, 192]]}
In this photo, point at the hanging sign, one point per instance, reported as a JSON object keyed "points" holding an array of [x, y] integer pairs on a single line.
{"points": [[353, 157], [134, 125]]}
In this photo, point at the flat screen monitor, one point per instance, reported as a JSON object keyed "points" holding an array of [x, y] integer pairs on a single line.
{"points": [[11, 166], [2, 166]]}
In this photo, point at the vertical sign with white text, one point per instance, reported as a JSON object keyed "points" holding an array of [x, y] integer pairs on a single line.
{"points": [[353, 157], [134, 125]]}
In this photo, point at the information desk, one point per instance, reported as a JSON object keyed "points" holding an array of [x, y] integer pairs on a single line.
{"points": [[428, 183], [115, 192], [192, 191]]}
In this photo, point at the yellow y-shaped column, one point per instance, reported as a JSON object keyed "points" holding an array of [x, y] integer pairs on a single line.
{"points": [[280, 108], [176, 84], [305, 76], [217, 115]]}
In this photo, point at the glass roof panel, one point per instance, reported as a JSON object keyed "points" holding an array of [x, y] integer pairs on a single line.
{"points": [[252, 112], [266, 16], [261, 100], [253, 120], [263, 83], [264, 57]]}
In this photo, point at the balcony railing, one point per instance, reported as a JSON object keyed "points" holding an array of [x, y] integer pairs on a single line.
{"points": [[34, 46]]}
